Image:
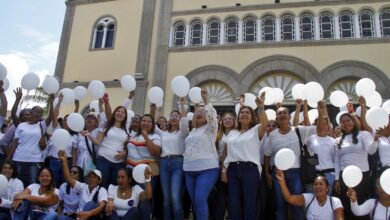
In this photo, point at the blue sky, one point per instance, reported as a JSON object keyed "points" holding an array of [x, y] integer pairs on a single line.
{"points": [[30, 35]]}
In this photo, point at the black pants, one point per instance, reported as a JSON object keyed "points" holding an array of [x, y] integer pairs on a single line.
{"points": [[5, 214]]}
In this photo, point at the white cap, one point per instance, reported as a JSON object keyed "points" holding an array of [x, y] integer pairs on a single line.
{"points": [[97, 173]]}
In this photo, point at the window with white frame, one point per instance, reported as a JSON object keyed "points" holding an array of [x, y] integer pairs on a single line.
{"points": [[249, 29], [104, 33], [196, 32], [326, 26], [346, 24], [213, 31], [231, 31], [179, 34], [268, 28], [385, 22], [288, 31], [307, 27], [366, 21]]}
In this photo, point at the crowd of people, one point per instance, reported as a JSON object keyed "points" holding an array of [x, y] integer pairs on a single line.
{"points": [[224, 166]]}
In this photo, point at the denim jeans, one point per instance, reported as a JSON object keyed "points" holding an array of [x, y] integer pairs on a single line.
{"points": [[243, 185], [294, 184], [26, 212], [109, 171], [5, 214], [266, 199], [218, 200], [172, 182], [133, 213], [28, 172], [56, 166], [199, 185]]}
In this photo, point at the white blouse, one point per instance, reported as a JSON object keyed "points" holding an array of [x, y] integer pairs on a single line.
{"points": [[123, 205], [383, 146], [172, 143], [381, 212], [14, 186]]}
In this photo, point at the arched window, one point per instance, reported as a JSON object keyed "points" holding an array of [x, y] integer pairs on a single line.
{"points": [[385, 22], [366, 20], [179, 34], [196, 32], [213, 31], [307, 27], [231, 31], [288, 31], [326, 26], [104, 33], [346, 25], [268, 28], [249, 29]]}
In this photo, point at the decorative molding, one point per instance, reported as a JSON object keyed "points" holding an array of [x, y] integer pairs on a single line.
{"points": [[84, 2]]}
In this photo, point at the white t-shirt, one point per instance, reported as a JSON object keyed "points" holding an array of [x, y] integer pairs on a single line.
{"points": [[123, 205], [28, 146], [34, 188], [112, 143], [381, 212], [278, 141], [244, 147], [172, 143], [325, 148], [317, 212], [71, 200], [83, 156], [14, 186], [86, 196], [384, 150]]}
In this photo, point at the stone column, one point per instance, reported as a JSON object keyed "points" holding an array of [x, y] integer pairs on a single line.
{"points": [[240, 32], [356, 26], [258, 31], [187, 36], [297, 22], [278, 29], [336, 27], [317, 34], [377, 22], [204, 34], [222, 33]]}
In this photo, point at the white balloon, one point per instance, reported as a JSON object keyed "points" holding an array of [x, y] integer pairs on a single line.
{"points": [[338, 116], [377, 117], [385, 181], [278, 95], [313, 104], [250, 100], [386, 106], [130, 115], [313, 92], [271, 114], [313, 115], [359, 111], [284, 159], [96, 88], [139, 173], [190, 116], [3, 184], [155, 94], [50, 85], [3, 72], [365, 87], [5, 84], [374, 100], [180, 86], [60, 138], [292, 117], [76, 122], [128, 83], [94, 105], [80, 92], [237, 108], [69, 96], [30, 81], [352, 176], [297, 91], [55, 102], [264, 89], [269, 97], [159, 103], [195, 94], [338, 98]]}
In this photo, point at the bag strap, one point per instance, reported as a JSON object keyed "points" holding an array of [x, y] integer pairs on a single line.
{"points": [[331, 202], [307, 207], [373, 211], [300, 140], [40, 126], [92, 152], [95, 197]]}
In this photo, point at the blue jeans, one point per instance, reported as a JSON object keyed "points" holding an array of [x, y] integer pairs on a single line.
{"points": [[133, 213], [56, 166], [27, 172], [294, 184], [109, 171], [243, 185], [199, 185], [218, 200], [25, 211], [172, 182], [5, 214]]}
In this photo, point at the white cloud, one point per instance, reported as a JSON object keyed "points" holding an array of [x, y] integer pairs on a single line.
{"points": [[35, 34]]}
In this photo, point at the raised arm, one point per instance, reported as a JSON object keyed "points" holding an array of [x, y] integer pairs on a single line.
{"points": [[298, 106], [363, 109], [183, 124], [211, 113], [76, 106], [50, 117], [359, 210], [3, 100], [306, 120], [321, 113], [65, 169], [152, 111], [107, 106], [297, 200], [57, 110], [263, 120], [129, 99], [147, 194], [18, 94]]}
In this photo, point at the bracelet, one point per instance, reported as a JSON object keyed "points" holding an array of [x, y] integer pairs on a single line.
{"points": [[148, 180]]}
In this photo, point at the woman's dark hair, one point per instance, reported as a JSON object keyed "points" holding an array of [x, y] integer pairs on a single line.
{"points": [[129, 174], [111, 120], [14, 170], [71, 132], [153, 123], [81, 178], [169, 124], [22, 112], [52, 184], [253, 121], [355, 131], [323, 177]]}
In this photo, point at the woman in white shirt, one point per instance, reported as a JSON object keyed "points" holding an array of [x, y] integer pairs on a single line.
{"points": [[37, 201], [14, 186], [242, 167], [124, 198], [201, 163], [318, 205], [69, 198], [171, 163], [378, 209], [112, 140]]}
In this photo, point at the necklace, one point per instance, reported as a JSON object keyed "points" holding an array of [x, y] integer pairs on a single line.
{"points": [[322, 203]]}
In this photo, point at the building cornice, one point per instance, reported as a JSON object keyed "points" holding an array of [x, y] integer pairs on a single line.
{"points": [[84, 2]]}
